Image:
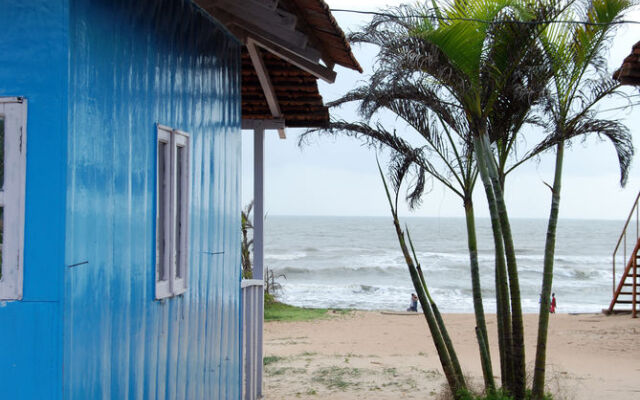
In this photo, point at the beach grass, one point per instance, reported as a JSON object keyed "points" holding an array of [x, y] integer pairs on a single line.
{"points": [[271, 359], [335, 377], [276, 311]]}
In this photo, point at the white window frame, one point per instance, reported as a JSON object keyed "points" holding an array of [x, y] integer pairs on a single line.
{"points": [[12, 195], [172, 233]]}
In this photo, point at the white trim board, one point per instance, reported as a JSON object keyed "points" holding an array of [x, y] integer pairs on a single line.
{"points": [[13, 111]]}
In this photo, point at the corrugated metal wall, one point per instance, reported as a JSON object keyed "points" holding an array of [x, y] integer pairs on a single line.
{"points": [[132, 65], [33, 64]]}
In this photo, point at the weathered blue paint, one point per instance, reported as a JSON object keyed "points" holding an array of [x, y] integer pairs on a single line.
{"points": [[33, 64], [99, 74], [135, 64]]}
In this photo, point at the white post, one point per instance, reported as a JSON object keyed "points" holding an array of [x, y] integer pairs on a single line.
{"points": [[258, 206], [258, 240]]}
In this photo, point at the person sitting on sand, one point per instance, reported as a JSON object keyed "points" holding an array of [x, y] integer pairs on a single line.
{"points": [[552, 309], [413, 306]]}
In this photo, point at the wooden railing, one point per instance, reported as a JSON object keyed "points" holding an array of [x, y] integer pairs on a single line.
{"points": [[622, 241], [252, 321]]}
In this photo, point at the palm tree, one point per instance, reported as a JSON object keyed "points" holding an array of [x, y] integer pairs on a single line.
{"points": [[580, 81], [488, 55], [446, 154], [467, 85], [246, 244], [408, 81]]}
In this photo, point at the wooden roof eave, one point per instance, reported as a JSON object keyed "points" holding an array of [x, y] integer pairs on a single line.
{"points": [[289, 44], [629, 71], [272, 30]]}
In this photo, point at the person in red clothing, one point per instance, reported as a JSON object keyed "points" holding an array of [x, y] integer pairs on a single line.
{"points": [[552, 309]]}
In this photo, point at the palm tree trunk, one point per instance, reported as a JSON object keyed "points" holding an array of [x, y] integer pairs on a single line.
{"points": [[441, 347], [447, 341], [485, 355], [436, 312], [441, 325], [547, 280], [503, 311], [456, 385], [519, 362], [487, 369]]}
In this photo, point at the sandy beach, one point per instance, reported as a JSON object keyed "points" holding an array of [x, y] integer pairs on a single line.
{"points": [[370, 355]]}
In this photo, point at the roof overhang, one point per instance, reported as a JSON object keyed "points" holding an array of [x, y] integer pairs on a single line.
{"points": [[629, 72], [289, 44]]}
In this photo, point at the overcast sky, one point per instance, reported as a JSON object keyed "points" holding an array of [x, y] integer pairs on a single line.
{"points": [[339, 176]]}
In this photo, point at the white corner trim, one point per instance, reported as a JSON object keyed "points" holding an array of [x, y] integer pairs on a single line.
{"points": [[251, 282], [13, 110]]}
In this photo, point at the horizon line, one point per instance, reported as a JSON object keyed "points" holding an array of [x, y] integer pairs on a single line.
{"points": [[267, 214]]}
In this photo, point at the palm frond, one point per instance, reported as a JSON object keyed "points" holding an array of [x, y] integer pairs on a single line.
{"points": [[614, 131], [378, 137]]}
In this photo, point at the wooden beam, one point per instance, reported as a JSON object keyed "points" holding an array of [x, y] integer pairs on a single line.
{"points": [[263, 78], [257, 13], [264, 25], [265, 124], [316, 40], [269, 4], [286, 40], [314, 68], [265, 82]]}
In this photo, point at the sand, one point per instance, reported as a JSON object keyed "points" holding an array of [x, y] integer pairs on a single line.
{"points": [[368, 355]]}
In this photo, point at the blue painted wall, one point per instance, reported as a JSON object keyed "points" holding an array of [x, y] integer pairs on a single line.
{"points": [[132, 65], [33, 64]]}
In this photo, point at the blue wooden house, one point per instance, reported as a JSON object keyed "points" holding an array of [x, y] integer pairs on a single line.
{"points": [[120, 138]]}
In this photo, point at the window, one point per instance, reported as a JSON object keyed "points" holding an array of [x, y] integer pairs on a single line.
{"points": [[172, 212], [13, 149]]}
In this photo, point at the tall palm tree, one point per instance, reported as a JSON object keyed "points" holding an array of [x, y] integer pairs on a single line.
{"points": [[418, 82], [466, 81], [488, 55], [580, 81], [397, 85]]}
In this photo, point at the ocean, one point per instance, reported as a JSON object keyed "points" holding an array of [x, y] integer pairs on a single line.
{"points": [[355, 262]]}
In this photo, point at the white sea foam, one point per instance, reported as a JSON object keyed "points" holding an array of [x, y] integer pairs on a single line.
{"points": [[328, 262]]}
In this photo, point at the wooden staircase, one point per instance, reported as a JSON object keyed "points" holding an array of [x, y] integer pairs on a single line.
{"points": [[627, 291]]}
